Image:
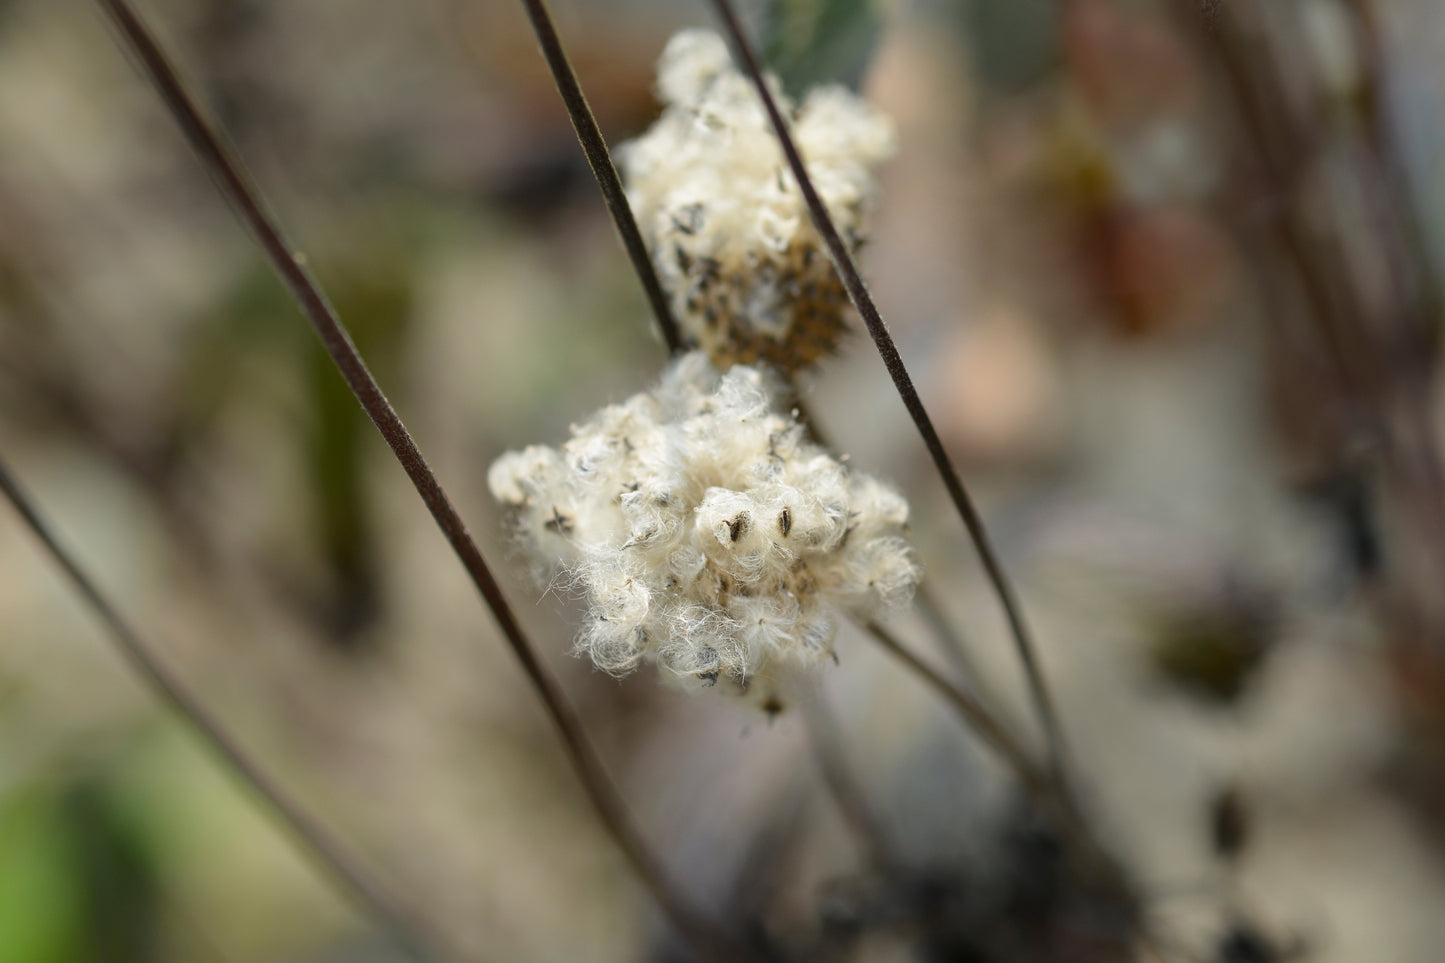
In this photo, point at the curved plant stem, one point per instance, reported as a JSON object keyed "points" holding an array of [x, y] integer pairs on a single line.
{"points": [[226, 171], [948, 637], [893, 361], [978, 717], [326, 850], [594, 145], [1039, 785]]}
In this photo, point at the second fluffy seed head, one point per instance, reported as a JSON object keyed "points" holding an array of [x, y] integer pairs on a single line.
{"points": [[726, 223]]}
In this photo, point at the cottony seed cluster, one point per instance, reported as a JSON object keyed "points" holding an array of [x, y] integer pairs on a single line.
{"points": [[707, 534], [730, 235]]}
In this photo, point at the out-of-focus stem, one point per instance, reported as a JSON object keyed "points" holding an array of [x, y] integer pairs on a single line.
{"points": [[705, 936], [594, 145], [311, 834]]}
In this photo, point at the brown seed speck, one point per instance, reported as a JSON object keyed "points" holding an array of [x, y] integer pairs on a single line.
{"points": [[738, 526]]}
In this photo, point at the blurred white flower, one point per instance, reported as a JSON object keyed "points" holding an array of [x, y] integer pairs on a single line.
{"points": [[707, 535], [727, 226]]}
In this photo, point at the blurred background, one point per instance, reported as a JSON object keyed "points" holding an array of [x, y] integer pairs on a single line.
{"points": [[1166, 272]]}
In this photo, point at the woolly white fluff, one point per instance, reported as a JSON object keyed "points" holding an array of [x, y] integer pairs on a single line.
{"points": [[707, 535], [722, 214]]}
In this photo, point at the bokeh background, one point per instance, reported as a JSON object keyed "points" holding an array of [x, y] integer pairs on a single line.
{"points": [[1166, 274]]}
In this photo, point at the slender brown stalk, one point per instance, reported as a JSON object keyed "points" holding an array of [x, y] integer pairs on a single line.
{"points": [[978, 717], [893, 361], [328, 852], [233, 184], [594, 145], [948, 637], [1042, 789]]}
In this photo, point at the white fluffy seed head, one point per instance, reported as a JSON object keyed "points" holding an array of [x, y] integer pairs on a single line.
{"points": [[707, 534], [727, 226]]}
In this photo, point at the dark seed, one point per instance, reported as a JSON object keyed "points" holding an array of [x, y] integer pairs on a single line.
{"points": [[738, 526], [559, 523]]}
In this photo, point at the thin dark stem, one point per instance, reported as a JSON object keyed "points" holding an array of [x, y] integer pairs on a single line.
{"points": [[952, 642], [978, 717], [246, 201], [327, 851], [594, 145], [893, 361]]}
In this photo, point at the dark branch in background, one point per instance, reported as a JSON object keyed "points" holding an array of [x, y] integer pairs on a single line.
{"points": [[1382, 345], [595, 147], [893, 361], [327, 851], [1375, 105], [245, 199]]}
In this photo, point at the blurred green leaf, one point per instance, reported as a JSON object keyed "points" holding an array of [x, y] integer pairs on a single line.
{"points": [[812, 42], [119, 873], [371, 289], [41, 891], [78, 881], [369, 276]]}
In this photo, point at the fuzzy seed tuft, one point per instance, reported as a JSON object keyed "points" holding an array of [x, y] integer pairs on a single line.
{"points": [[727, 226]]}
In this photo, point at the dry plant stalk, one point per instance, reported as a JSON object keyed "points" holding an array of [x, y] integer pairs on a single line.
{"points": [[710, 941], [330, 853]]}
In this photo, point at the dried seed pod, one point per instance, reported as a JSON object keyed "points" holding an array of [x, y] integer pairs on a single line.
{"points": [[728, 229]]}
